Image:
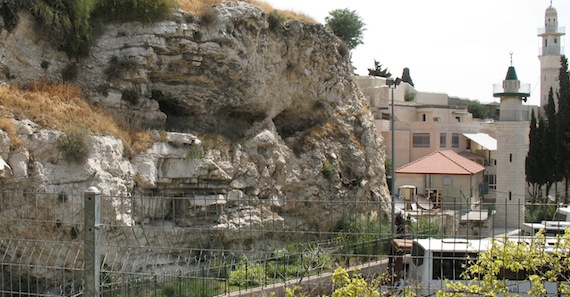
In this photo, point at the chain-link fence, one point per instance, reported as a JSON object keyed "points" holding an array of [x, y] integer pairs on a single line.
{"points": [[73, 244]]}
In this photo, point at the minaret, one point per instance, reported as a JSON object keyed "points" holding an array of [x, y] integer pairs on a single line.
{"points": [[550, 51], [512, 95], [512, 147]]}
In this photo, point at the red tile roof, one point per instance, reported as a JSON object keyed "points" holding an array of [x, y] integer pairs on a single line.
{"points": [[442, 162]]}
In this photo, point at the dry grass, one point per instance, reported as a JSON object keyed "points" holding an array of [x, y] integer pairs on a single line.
{"points": [[197, 7], [59, 105], [7, 125]]}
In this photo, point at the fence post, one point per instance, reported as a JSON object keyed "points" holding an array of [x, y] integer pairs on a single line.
{"points": [[91, 256]]}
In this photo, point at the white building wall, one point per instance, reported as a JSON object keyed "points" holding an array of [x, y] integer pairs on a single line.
{"points": [[549, 73]]}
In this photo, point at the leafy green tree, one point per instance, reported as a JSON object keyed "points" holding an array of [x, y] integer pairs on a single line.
{"points": [[378, 71], [347, 25], [477, 109], [486, 274]]}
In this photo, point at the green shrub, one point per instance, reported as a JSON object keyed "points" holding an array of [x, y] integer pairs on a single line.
{"points": [[209, 17], [147, 11], [247, 274], [65, 22], [424, 227], [328, 169], [75, 144], [69, 72], [118, 66], [195, 153], [130, 95], [363, 234], [45, 64], [539, 210], [9, 12], [276, 18], [409, 96]]}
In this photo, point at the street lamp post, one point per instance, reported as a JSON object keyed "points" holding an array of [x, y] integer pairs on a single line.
{"points": [[392, 83]]}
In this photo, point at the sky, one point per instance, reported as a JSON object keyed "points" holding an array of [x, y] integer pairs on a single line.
{"points": [[456, 47]]}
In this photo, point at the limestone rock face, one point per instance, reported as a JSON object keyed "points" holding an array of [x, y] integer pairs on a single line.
{"points": [[274, 125]]}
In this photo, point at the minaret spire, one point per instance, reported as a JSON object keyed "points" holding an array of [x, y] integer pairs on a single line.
{"points": [[511, 53]]}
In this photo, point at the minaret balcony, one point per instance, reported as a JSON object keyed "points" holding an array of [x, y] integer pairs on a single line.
{"points": [[500, 90], [551, 30]]}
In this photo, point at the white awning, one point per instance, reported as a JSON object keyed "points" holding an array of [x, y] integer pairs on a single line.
{"points": [[483, 139]]}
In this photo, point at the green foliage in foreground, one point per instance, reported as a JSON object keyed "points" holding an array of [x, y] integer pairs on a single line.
{"points": [[485, 276]]}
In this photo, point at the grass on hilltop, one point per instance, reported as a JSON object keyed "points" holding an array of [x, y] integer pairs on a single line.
{"points": [[197, 7]]}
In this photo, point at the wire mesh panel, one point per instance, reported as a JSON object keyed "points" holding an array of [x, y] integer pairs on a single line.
{"points": [[224, 245], [41, 244]]}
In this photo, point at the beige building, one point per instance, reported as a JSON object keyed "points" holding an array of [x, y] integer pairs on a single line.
{"points": [[425, 123]]}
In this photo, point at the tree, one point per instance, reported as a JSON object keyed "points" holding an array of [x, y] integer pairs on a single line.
{"points": [[347, 25], [406, 76], [478, 110], [378, 71], [532, 162], [533, 259], [549, 156], [563, 121]]}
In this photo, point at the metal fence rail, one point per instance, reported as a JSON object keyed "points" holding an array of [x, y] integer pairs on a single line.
{"points": [[199, 246]]}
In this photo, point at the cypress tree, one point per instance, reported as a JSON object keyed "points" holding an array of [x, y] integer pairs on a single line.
{"points": [[532, 162], [563, 122], [549, 157]]}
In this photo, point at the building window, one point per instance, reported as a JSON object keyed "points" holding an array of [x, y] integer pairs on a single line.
{"points": [[468, 147], [555, 41], [436, 119], [424, 117], [510, 195], [455, 140], [442, 139], [420, 140], [458, 119], [511, 158], [491, 180]]}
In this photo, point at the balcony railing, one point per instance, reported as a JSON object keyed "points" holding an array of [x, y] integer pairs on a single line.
{"points": [[544, 30], [524, 90]]}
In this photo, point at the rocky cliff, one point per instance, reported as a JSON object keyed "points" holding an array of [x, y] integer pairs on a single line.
{"points": [[266, 117]]}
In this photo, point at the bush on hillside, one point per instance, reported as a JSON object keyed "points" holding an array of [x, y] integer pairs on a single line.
{"points": [[134, 10], [75, 144], [65, 22]]}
